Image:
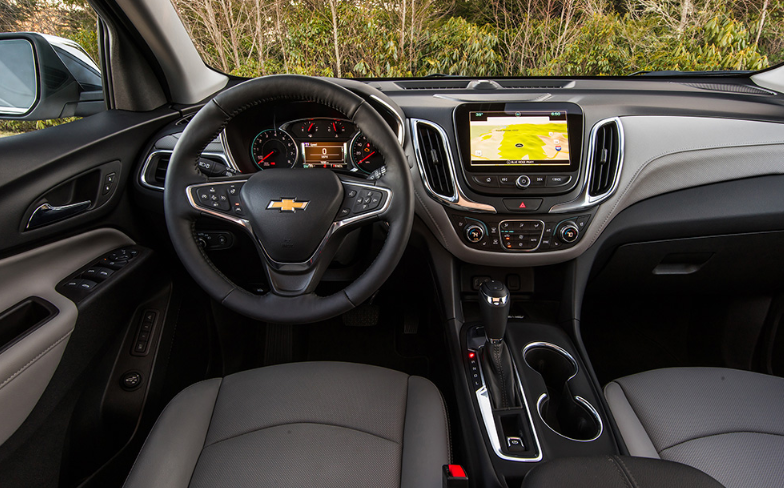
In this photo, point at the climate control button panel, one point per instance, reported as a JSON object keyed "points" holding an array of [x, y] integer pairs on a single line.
{"points": [[535, 234]]}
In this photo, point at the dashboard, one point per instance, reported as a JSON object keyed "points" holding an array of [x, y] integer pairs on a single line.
{"points": [[520, 172]]}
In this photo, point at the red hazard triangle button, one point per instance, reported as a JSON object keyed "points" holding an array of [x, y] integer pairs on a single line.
{"points": [[522, 204]]}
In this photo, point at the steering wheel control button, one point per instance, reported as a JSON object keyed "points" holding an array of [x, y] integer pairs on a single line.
{"points": [[131, 381], [486, 180], [523, 182], [522, 204], [474, 233], [344, 212], [554, 181], [568, 232]]}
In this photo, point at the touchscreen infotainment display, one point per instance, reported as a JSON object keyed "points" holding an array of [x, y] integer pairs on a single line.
{"points": [[509, 139]]}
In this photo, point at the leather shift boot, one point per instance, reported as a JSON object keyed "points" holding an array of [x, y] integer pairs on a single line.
{"points": [[499, 375]]}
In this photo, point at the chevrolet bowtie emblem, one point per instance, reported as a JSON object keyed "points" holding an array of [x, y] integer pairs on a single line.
{"points": [[287, 205]]}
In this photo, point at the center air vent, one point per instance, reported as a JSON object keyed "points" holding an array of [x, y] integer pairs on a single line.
{"points": [[433, 160], [606, 158]]}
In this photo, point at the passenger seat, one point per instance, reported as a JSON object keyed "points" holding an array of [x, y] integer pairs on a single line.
{"points": [[724, 422]]}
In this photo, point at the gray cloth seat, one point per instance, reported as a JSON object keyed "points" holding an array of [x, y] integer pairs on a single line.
{"points": [[724, 422], [299, 425]]}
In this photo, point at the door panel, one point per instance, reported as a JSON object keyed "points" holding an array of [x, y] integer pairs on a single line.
{"points": [[53, 357], [27, 365]]}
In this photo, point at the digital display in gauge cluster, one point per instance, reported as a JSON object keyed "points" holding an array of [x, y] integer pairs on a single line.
{"points": [[316, 143], [327, 154]]}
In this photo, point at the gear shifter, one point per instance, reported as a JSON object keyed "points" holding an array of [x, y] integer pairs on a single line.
{"points": [[494, 305]]}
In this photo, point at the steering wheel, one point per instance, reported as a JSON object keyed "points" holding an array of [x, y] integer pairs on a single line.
{"points": [[297, 218]]}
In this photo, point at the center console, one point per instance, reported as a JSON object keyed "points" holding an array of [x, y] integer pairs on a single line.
{"points": [[518, 178]]}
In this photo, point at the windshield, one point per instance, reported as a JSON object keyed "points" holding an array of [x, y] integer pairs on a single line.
{"points": [[415, 38]]}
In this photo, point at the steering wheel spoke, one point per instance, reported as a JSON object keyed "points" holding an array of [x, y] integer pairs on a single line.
{"points": [[363, 202], [220, 199]]}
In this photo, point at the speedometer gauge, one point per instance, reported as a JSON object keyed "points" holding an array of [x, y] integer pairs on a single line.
{"points": [[365, 155], [274, 148]]}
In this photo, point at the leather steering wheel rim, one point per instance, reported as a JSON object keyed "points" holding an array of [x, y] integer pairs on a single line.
{"points": [[183, 172]]}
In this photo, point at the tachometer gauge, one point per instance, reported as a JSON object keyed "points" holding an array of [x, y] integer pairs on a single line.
{"points": [[365, 155], [274, 148], [335, 128]]}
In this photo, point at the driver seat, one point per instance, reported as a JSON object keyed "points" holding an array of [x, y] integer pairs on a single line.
{"points": [[299, 425]]}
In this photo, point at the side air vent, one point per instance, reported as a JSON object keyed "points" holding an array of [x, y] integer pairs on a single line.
{"points": [[154, 170], [433, 160], [606, 160]]}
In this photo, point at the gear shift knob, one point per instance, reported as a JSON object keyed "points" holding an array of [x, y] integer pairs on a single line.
{"points": [[494, 304]]}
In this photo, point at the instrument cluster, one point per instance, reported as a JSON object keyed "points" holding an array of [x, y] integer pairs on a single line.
{"points": [[314, 142]]}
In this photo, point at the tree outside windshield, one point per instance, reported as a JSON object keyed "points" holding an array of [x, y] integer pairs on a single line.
{"points": [[402, 38]]}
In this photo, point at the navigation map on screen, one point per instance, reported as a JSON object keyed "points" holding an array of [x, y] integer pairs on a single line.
{"points": [[518, 138]]}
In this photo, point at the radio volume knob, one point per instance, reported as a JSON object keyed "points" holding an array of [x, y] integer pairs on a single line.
{"points": [[568, 233], [474, 233], [523, 182]]}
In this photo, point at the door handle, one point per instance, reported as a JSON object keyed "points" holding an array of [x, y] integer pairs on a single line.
{"points": [[46, 213]]}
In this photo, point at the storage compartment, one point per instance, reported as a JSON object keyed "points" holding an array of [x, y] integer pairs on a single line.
{"points": [[568, 415], [22, 319]]}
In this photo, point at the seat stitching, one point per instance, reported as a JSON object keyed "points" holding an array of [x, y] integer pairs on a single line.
{"points": [[721, 433], [302, 423], [626, 480], [403, 433], [206, 434], [626, 470]]}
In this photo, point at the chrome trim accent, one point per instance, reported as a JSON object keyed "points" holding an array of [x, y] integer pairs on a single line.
{"points": [[401, 126], [586, 405], [457, 200], [541, 236], [584, 200], [486, 409], [495, 301], [151, 186], [46, 213], [228, 156], [550, 345]]}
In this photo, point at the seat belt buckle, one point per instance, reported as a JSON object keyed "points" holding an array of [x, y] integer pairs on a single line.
{"points": [[454, 476]]}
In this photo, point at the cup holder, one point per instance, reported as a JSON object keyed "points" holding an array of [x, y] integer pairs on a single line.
{"points": [[567, 415]]}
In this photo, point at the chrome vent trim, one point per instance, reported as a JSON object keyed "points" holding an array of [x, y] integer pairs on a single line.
{"points": [[455, 198], [604, 162], [586, 199]]}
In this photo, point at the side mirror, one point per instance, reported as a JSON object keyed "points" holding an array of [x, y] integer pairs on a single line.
{"points": [[46, 77]]}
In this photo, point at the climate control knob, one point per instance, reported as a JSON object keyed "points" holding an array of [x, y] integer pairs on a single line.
{"points": [[474, 233], [568, 232]]}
